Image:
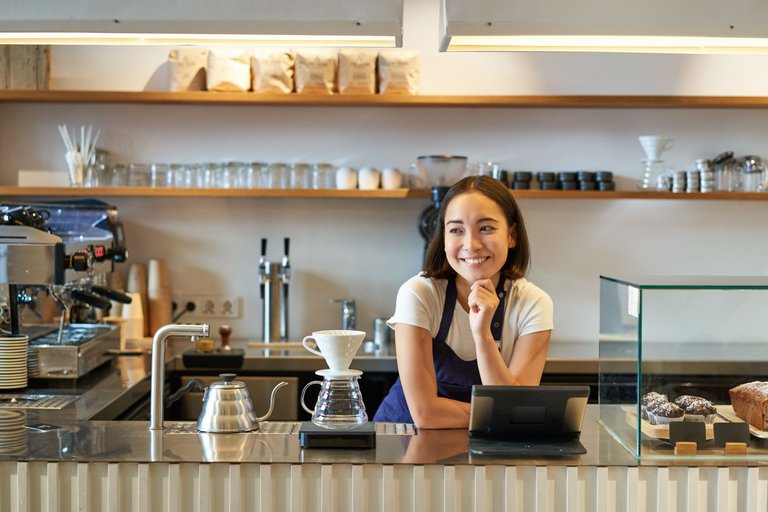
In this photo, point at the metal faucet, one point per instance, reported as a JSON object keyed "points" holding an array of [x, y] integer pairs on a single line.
{"points": [[348, 314], [158, 365]]}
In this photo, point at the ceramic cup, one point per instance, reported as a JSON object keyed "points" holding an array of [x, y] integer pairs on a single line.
{"points": [[391, 178], [337, 347], [346, 178], [368, 178]]}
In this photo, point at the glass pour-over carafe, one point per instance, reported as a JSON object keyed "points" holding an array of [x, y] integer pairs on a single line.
{"points": [[656, 176], [339, 403]]}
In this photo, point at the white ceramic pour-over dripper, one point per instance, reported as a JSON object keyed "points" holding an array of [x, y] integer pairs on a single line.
{"points": [[655, 145], [337, 347]]}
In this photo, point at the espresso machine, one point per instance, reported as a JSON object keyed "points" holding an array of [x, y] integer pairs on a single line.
{"points": [[61, 252]]}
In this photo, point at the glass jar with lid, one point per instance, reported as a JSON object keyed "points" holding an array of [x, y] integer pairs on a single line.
{"points": [[728, 172], [754, 174], [323, 176]]}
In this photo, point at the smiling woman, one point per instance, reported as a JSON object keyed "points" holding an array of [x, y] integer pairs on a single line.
{"points": [[470, 317]]}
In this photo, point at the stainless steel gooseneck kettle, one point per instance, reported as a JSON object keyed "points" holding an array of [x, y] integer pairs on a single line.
{"points": [[227, 406]]}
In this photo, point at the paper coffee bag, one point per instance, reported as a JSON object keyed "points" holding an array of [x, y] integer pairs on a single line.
{"points": [[398, 72], [229, 69], [316, 71], [272, 71], [186, 69], [357, 71]]}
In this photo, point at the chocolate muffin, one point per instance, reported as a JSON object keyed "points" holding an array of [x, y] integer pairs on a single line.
{"points": [[652, 406], [648, 399], [700, 410], [664, 413], [684, 401]]}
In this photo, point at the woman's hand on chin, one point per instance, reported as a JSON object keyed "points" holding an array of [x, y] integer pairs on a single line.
{"points": [[482, 303]]}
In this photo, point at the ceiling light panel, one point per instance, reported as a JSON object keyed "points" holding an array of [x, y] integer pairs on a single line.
{"points": [[263, 22], [662, 26]]}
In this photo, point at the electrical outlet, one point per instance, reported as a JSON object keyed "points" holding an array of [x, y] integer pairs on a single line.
{"points": [[209, 306]]}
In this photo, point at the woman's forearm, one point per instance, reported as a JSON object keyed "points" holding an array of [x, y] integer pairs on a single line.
{"points": [[440, 412], [493, 371], [525, 369]]}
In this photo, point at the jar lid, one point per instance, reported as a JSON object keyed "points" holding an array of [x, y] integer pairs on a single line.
{"points": [[227, 382], [752, 164], [722, 157]]}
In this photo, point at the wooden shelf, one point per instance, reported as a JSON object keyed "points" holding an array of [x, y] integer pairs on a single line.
{"points": [[401, 193], [246, 98]]}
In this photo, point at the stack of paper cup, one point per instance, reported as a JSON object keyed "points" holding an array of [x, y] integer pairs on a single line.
{"points": [[159, 296], [116, 282], [134, 318], [137, 283], [13, 361]]}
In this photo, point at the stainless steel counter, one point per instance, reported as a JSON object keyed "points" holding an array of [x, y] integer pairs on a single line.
{"points": [[118, 441], [105, 441], [102, 394], [431, 470], [111, 389]]}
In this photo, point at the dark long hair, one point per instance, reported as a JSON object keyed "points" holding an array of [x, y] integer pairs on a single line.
{"points": [[518, 258]]}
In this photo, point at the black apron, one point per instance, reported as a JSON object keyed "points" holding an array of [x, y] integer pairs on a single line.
{"points": [[455, 376]]}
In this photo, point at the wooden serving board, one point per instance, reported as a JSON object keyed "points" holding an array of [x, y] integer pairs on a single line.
{"points": [[727, 412], [662, 431]]}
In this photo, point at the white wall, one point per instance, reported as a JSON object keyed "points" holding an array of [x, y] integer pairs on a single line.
{"points": [[365, 249]]}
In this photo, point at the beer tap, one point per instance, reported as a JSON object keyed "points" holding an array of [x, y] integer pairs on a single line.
{"points": [[263, 267], [285, 278]]}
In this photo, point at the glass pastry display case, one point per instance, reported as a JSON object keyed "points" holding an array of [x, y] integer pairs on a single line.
{"points": [[671, 351]]}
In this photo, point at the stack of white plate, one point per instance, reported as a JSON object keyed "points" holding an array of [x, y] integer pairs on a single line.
{"points": [[13, 361], [33, 362], [13, 435]]}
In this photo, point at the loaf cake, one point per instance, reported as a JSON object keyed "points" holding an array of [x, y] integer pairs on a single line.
{"points": [[750, 403]]}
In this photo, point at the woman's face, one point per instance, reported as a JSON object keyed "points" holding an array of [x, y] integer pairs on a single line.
{"points": [[477, 237]]}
